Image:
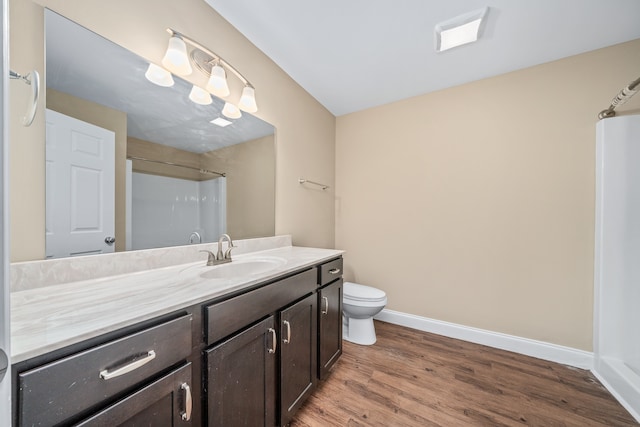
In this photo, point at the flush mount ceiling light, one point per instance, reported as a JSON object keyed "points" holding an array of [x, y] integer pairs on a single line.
{"points": [[221, 122], [460, 30], [178, 60]]}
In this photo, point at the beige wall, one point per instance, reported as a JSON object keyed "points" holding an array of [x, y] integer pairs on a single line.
{"points": [[26, 144], [250, 171], [306, 130], [475, 205], [106, 118]]}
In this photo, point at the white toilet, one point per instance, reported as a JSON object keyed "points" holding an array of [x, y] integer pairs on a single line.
{"points": [[359, 304]]}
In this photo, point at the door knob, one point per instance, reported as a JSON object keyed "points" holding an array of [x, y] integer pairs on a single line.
{"points": [[109, 240]]}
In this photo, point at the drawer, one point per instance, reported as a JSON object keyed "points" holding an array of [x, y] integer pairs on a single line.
{"points": [[229, 316], [330, 271], [52, 393]]}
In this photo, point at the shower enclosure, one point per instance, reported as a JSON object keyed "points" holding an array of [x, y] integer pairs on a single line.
{"points": [[617, 259], [168, 211]]}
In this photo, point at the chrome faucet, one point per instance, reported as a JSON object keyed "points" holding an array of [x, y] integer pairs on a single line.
{"points": [[227, 254], [221, 257], [193, 236]]}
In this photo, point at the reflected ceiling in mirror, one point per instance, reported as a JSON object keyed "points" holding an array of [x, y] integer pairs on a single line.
{"points": [[164, 123], [86, 65]]}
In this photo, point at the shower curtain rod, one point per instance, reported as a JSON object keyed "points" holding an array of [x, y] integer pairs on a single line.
{"points": [[205, 171], [623, 96]]}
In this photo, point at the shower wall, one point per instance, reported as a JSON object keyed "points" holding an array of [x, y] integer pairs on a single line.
{"points": [[617, 270], [165, 211]]}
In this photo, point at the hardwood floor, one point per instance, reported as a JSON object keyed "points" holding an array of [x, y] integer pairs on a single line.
{"points": [[413, 378]]}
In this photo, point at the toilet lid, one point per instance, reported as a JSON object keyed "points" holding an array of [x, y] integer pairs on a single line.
{"points": [[358, 292]]}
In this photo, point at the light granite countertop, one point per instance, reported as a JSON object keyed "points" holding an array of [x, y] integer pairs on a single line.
{"points": [[52, 317]]}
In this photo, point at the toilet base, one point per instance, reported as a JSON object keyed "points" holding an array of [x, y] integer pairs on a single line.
{"points": [[359, 331]]}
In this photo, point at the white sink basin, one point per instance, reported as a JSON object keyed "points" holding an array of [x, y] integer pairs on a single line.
{"points": [[243, 267]]}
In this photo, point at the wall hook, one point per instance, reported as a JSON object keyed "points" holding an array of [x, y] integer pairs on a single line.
{"points": [[33, 80]]}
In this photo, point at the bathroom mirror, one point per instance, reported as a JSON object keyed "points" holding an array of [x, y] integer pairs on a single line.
{"points": [[226, 178]]}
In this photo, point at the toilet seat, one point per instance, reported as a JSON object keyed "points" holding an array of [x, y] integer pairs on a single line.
{"points": [[356, 292]]}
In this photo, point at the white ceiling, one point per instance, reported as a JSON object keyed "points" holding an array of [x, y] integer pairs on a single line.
{"points": [[355, 54]]}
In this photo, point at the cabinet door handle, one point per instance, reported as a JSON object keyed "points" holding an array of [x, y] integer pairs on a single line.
{"points": [[274, 340], [107, 375], [335, 271], [326, 305], [188, 403], [287, 340]]}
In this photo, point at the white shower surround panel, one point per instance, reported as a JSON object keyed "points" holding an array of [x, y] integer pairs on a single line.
{"points": [[617, 270], [166, 211]]}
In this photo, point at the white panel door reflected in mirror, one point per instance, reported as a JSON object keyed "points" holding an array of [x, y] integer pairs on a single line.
{"points": [[80, 179]]}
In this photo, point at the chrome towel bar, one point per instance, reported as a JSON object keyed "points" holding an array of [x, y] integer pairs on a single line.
{"points": [[302, 181]]}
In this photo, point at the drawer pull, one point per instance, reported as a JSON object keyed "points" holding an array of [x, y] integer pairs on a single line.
{"points": [[188, 403], [107, 375], [326, 305], [274, 341], [334, 271], [287, 340]]}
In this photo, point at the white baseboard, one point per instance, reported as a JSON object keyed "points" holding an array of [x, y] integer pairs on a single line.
{"points": [[539, 349], [622, 383]]}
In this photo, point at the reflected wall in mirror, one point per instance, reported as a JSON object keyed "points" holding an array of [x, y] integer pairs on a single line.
{"points": [[226, 181]]}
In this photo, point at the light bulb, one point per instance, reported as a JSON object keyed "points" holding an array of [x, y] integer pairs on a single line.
{"points": [[217, 84], [248, 100], [176, 59], [159, 76], [231, 111], [200, 96]]}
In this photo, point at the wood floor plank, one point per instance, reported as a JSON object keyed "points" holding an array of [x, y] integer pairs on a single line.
{"points": [[413, 378]]}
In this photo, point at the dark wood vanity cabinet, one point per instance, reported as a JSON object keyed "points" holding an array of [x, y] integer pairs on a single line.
{"points": [[262, 374], [241, 378], [329, 315], [166, 402], [248, 359], [298, 356], [142, 375], [329, 327]]}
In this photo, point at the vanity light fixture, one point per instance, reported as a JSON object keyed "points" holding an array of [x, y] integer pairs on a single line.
{"points": [[231, 111], [178, 58], [200, 96], [159, 76], [221, 122], [217, 83], [248, 100], [460, 30]]}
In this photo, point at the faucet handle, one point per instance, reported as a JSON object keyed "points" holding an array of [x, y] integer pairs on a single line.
{"points": [[227, 253], [211, 258]]}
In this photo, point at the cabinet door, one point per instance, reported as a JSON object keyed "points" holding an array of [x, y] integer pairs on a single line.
{"points": [[165, 402], [241, 387], [298, 355], [329, 327]]}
